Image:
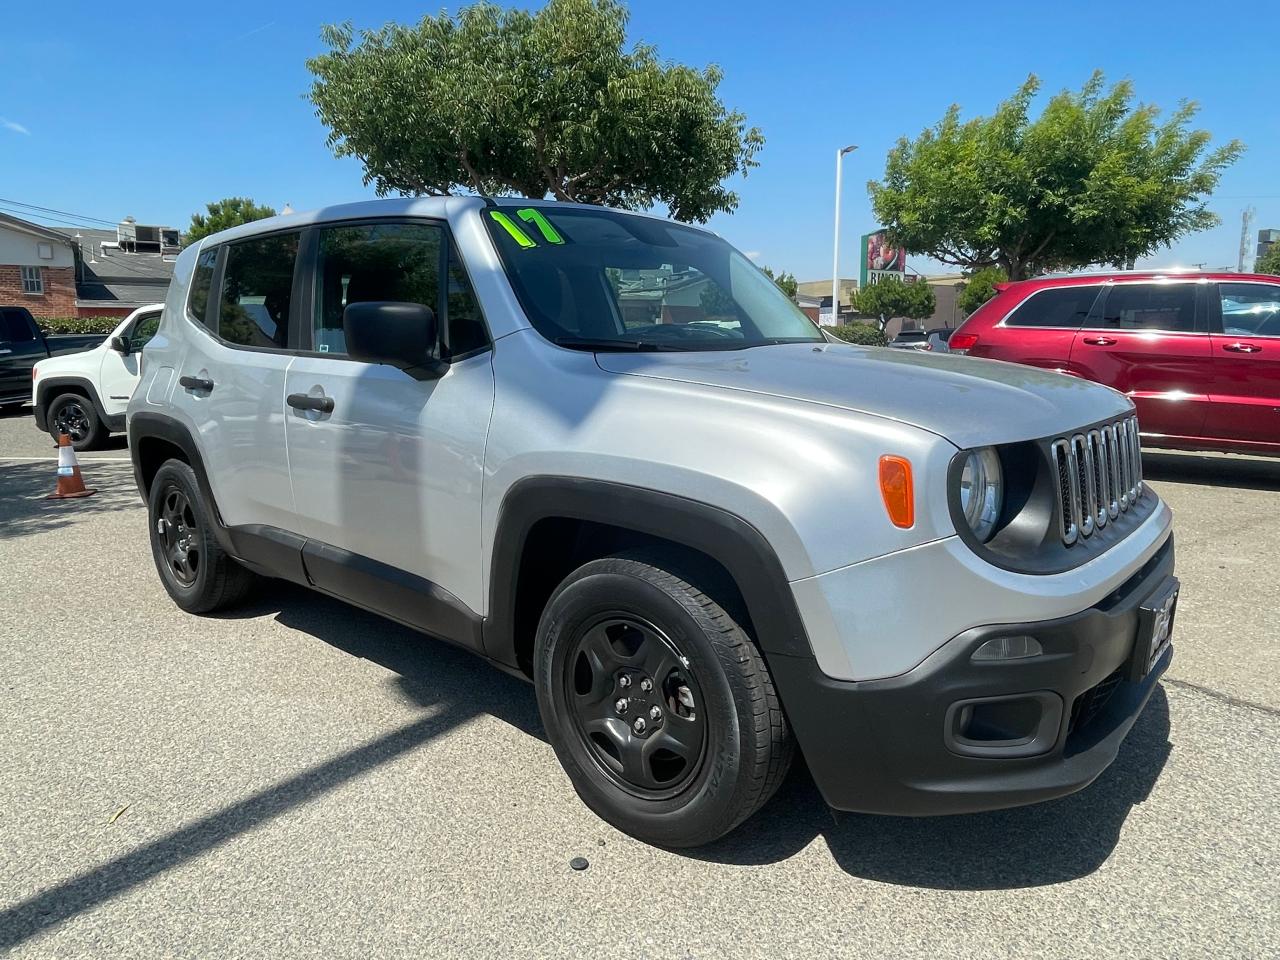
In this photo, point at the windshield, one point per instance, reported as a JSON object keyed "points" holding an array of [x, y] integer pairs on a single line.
{"points": [[600, 280]]}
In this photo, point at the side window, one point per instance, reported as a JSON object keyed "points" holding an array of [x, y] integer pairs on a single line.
{"points": [[1056, 307], [1150, 306], [17, 328], [466, 330], [377, 261], [144, 329], [202, 284], [257, 282], [1250, 309]]}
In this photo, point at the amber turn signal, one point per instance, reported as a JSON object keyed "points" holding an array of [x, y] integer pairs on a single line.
{"points": [[897, 490]]}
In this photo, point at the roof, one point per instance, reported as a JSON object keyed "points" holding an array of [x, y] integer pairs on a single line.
{"points": [[33, 228], [1111, 276], [110, 277]]}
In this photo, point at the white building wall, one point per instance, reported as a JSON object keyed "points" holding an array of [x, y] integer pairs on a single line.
{"points": [[22, 249]]}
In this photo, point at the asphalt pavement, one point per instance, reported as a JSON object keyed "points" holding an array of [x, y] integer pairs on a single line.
{"points": [[301, 779]]}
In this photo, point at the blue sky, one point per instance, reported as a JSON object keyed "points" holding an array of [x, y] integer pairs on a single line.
{"points": [[115, 109]]}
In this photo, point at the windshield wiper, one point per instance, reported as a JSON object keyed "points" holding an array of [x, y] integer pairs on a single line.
{"points": [[605, 343]]}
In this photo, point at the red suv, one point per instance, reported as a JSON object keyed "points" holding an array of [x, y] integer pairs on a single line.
{"points": [[1198, 353]]}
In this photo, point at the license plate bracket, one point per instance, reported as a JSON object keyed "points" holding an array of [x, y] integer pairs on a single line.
{"points": [[1155, 628]]}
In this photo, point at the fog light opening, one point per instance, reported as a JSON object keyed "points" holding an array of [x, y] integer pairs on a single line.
{"points": [[1008, 648], [1002, 721]]}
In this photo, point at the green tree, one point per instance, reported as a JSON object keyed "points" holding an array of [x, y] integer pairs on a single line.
{"points": [[548, 102], [786, 282], [1093, 179], [891, 298], [222, 215], [979, 287], [1269, 262], [866, 334]]}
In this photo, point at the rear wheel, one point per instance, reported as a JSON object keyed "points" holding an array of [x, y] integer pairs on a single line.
{"points": [[74, 415], [197, 573], [657, 702]]}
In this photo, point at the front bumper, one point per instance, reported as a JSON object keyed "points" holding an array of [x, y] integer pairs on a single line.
{"points": [[904, 745]]}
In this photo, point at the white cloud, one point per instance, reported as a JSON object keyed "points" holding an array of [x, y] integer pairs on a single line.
{"points": [[14, 126], [752, 254]]}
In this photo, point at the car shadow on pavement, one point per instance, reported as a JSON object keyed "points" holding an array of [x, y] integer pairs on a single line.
{"points": [[25, 484], [1218, 471]]}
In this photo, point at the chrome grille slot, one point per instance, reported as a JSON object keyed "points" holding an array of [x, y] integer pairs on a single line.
{"points": [[1098, 476]]}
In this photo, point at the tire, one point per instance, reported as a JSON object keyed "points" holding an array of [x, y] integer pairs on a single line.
{"points": [[197, 573], [76, 415], [641, 616]]}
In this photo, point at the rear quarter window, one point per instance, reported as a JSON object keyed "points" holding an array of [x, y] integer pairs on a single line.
{"points": [[202, 285]]}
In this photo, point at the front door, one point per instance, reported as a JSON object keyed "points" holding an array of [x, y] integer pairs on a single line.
{"points": [[118, 373], [387, 481], [1246, 361], [1150, 341]]}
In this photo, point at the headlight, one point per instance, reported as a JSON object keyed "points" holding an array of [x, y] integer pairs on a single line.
{"points": [[982, 491]]}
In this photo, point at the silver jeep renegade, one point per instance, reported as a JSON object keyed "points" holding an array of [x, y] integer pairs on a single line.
{"points": [[601, 450]]}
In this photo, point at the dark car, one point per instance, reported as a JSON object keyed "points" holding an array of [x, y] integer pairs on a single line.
{"points": [[1198, 353], [23, 343]]}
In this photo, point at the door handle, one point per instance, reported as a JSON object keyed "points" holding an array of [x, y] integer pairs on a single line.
{"points": [[1099, 341], [304, 401], [196, 383], [1242, 347]]}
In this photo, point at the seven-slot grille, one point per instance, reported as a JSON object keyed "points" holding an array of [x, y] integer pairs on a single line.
{"points": [[1099, 477]]}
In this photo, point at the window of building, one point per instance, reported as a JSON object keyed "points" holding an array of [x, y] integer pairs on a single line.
{"points": [[257, 285], [33, 280]]}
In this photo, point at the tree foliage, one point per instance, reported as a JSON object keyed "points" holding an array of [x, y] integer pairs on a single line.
{"points": [[1093, 179], [866, 334], [1269, 262], [786, 282], [891, 298], [979, 287], [531, 103], [224, 214]]}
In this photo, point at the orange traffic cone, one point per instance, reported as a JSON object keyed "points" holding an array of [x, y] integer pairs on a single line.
{"points": [[70, 483]]}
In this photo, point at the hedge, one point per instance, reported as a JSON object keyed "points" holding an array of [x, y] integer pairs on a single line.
{"points": [[865, 334], [79, 324]]}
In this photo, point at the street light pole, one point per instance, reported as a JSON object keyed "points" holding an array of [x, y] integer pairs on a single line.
{"points": [[835, 247]]}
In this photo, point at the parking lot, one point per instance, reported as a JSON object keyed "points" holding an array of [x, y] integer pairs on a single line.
{"points": [[299, 778]]}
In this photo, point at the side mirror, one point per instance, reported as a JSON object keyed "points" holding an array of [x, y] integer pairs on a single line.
{"points": [[400, 334], [121, 346]]}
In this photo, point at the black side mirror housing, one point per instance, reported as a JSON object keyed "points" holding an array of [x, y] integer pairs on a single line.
{"points": [[121, 345], [400, 334]]}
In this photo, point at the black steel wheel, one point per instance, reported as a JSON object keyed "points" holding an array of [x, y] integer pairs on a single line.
{"points": [[75, 416], [196, 571], [176, 526], [656, 700], [635, 704]]}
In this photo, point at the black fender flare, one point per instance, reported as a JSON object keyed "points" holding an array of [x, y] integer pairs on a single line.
{"points": [[50, 387], [725, 537]]}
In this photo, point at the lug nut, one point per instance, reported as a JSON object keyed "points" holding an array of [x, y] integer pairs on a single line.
{"points": [[655, 713], [646, 684], [638, 726], [621, 705], [624, 681]]}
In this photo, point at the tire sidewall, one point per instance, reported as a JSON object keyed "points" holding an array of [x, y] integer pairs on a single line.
{"points": [[710, 797], [175, 474]]}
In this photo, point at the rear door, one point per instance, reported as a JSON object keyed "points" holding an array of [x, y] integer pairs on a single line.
{"points": [[1245, 322], [390, 473], [1150, 341], [20, 347], [1040, 329]]}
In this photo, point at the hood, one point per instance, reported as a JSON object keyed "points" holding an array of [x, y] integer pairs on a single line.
{"points": [[969, 401]]}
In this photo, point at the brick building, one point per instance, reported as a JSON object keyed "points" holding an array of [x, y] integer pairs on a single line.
{"points": [[37, 268], [79, 272]]}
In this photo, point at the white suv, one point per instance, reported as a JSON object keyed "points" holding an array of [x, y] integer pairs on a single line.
{"points": [[84, 395], [602, 450]]}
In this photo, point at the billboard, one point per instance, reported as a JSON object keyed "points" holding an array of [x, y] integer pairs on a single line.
{"points": [[880, 258]]}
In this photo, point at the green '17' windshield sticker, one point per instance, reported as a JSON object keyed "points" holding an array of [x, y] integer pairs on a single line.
{"points": [[528, 215]]}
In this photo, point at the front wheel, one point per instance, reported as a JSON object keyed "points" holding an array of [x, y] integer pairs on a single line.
{"points": [[657, 702], [74, 415]]}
